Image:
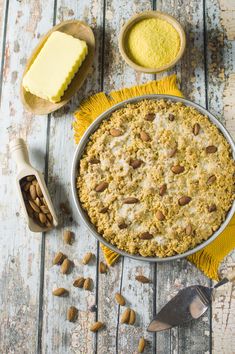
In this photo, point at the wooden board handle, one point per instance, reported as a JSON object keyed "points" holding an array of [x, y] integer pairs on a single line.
{"points": [[231, 276]]}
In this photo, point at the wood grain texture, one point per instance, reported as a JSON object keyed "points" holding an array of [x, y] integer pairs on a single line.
{"points": [[74, 337], [221, 89], [19, 248]]}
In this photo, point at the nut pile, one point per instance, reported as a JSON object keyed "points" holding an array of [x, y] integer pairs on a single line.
{"points": [[35, 202]]}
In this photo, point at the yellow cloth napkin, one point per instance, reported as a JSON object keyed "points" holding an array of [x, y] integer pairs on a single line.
{"points": [[210, 257]]}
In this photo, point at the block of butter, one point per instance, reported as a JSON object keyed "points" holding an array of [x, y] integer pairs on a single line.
{"points": [[55, 66]]}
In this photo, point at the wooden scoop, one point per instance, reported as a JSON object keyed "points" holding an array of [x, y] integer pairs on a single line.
{"points": [[77, 29], [26, 173]]}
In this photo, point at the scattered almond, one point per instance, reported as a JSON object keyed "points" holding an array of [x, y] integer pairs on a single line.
{"points": [[184, 200], [94, 161], [103, 268], [65, 266], [172, 152], [126, 316], [211, 149], [120, 299], [130, 200], [101, 187], [72, 313], [122, 226], [96, 326], [59, 258], [115, 132], [135, 163], [149, 117], [211, 179], [162, 190], [188, 230], [196, 129], [87, 284], [142, 279], [141, 345], [68, 237], [144, 136], [212, 208], [60, 292], [87, 258], [132, 317], [146, 236], [104, 210], [171, 117], [177, 169], [79, 282], [159, 215]]}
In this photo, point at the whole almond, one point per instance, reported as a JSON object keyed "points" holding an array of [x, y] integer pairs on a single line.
{"points": [[159, 215], [115, 132], [196, 129], [42, 218], [60, 292], [87, 284], [212, 208], [142, 279], [34, 206], [48, 224], [38, 190], [65, 266], [30, 178], [177, 169], [130, 200], [87, 258], [126, 316], [171, 117], [146, 236], [34, 182], [26, 186], [135, 163], [59, 258], [144, 136], [211, 180], [120, 299], [211, 149], [38, 201], [49, 216], [162, 190], [103, 268], [29, 209], [68, 237], [141, 345], [32, 191], [104, 210], [72, 313], [101, 187], [132, 317], [96, 326], [122, 226], [44, 209], [184, 200], [172, 152], [188, 230], [94, 161], [79, 282], [149, 117]]}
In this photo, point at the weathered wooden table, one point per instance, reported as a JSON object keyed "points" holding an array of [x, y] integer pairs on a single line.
{"points": [[31, 319]]}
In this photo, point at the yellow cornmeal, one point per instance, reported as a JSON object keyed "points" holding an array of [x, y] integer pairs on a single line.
{"points": [[153, 43]]}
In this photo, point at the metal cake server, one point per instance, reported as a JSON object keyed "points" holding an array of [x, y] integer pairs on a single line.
{"points": [[190, 303]]}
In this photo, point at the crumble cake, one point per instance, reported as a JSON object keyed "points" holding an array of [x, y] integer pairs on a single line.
{"points": [[156, 178]]}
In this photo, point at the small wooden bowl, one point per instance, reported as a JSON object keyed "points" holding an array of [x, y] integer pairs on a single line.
{"points": [[146, 15], [77, 29]]}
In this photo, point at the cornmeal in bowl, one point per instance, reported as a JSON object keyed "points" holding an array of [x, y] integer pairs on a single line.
{"points": [[156, 178]]}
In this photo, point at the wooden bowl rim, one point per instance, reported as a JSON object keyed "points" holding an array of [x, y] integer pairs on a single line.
{"points": [[34, 54], [146, 15]]}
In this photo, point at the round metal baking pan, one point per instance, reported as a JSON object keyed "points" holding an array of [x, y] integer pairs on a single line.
{"points": [[75, 169]]}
